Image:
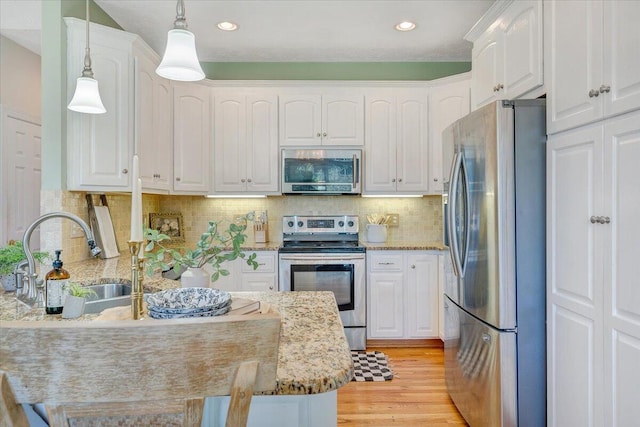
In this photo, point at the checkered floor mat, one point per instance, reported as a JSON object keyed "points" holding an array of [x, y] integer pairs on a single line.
{"points": [[370, 366]]}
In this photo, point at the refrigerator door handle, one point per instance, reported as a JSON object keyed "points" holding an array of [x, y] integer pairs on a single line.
{"points": [[453, 190]]}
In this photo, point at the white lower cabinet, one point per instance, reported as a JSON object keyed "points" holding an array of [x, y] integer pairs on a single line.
{"points": [[242, 277], [593, 297], [402, 295]]}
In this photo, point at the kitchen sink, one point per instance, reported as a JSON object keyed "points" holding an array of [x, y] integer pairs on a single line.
{"points": [[108, 295]]}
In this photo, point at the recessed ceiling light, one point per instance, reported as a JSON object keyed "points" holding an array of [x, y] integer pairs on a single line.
{"points": [[227, 26], [405, 26]]}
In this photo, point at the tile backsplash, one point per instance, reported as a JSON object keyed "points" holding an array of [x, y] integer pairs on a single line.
{"points": [[420, 218]]}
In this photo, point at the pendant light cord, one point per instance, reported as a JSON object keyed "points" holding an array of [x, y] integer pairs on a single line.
{"points": [[87, 72]]}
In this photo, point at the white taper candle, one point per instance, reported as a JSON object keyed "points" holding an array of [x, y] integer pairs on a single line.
{"points": [[136, 203]]}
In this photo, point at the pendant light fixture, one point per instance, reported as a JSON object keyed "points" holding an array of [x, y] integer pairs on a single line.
{"points": [[86, 99], [180, 60]]}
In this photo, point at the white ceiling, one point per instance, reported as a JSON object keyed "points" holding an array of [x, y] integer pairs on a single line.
{"points": [[288, 30]]}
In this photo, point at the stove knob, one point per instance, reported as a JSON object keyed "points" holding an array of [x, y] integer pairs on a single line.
{"points": [[350, 223], [300, 223], [340, 223], [290, 224]]}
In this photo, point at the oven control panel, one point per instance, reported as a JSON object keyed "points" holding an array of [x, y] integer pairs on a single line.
{"points": [[320, 224]]}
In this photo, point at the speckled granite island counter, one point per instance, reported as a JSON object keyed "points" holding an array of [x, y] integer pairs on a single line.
{"points": [[314, 357]]}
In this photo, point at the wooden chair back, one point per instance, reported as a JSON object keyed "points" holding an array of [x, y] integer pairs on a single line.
{"points": [[130, 368]]}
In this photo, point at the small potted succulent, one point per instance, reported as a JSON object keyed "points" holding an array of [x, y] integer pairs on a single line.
{"points": [[215, 247], [10, 256], [74, 302]]}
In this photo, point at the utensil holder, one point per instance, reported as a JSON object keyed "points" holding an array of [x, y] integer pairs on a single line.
{"points": [[376, 233], [260, 233]]}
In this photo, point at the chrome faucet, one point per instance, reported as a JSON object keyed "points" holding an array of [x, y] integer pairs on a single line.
{"points": [[30, 276]]}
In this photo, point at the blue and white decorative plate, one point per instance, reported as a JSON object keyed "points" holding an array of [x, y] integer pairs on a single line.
{"points": [[210, 313], [188, 300]]}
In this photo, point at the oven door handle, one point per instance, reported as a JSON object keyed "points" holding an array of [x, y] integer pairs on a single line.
{"points": [[322, 258]]}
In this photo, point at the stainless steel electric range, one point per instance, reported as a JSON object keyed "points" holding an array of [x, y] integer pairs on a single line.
{"points": [[322, 253]]}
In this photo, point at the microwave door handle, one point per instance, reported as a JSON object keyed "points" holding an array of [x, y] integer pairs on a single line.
{"points": [[356, 172], [453, 189]]}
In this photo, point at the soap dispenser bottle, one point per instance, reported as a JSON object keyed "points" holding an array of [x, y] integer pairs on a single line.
{"points": [[56, 286]]}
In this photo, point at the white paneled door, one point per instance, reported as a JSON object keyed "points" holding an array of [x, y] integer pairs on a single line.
{"points": [[21, 172]]}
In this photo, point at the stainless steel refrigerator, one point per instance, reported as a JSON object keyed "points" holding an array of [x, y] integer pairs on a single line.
{"points": [[494, 221]]}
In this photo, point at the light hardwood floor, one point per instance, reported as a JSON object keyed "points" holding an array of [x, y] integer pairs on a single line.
{"points": [[417, 395]]}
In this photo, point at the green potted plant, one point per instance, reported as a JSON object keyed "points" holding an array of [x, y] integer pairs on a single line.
{"points": [[74, 302], [10, 256], [215, 247]]}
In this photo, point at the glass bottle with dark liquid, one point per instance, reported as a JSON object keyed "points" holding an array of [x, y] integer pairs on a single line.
{"points": [[56, 286]]}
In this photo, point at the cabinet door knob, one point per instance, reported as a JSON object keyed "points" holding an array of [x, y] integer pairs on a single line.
{"points": [[413, 266], [393, 180], [125, 171], [605, 88], [399, 179], [435, 179], [594, 219], [318, 134], [604, 220], [242, 180], [249, 180], [271, 287], [178, 179], [324, 134], [593, 93]]}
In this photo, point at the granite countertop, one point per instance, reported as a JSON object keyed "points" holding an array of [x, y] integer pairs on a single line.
{"points": [[314, 355], [393, 245]]}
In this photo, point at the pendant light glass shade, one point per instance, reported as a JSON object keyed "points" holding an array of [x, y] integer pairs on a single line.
{"points": [[86, 99], [180, 60]]}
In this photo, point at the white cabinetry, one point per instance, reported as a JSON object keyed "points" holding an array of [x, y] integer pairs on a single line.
{"points": [[402, 300], [154, 124], [593, 298], [245, 154], [507, 51], [592, 61], [100, 146], [243, 277], [396, 142], [191, 138], [448, 103], [322, 119]]}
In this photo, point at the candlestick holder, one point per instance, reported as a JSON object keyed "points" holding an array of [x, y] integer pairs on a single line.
{"points": [[137, 309]]}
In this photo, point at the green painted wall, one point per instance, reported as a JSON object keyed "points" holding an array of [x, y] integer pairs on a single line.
{"points": [[332, 70], [77, 9]]}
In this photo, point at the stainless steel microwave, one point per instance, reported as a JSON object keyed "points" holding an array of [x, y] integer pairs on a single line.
{"points": [[309, 171]]}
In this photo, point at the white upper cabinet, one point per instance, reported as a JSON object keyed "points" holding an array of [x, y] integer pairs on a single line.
{"points": [[191, 138], [322, 119], [447, 104], [396, 142], [245, 154], [507, 52], [100, 146], [592, 61], [154, 124]]}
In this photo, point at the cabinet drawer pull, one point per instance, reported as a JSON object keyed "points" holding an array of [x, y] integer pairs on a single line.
{"points": [[386, 263]]}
